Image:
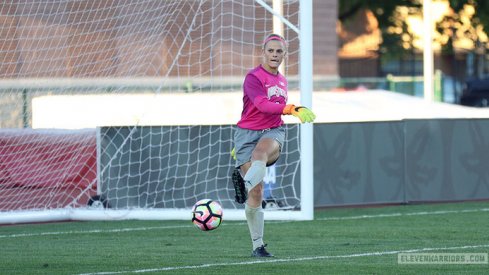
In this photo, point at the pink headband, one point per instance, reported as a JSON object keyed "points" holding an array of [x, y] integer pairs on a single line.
{"points": [[278, 38]]}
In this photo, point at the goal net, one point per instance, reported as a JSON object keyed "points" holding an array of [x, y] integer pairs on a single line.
{"points": [[126, 109]]}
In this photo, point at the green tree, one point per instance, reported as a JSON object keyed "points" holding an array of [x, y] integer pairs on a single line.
{"points": [[482, 10], [396, 34], [385, 11]]}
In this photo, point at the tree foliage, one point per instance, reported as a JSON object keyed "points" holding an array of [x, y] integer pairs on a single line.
{"points": [[481, 7], [468, 22], [394, 43], [384, 11]]}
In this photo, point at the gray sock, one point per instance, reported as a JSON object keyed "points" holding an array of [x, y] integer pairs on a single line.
{"points": [[255, 174], [256, 223]]}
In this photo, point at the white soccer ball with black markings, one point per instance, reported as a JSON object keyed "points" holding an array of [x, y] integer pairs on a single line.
{"points": [[207, 214]]}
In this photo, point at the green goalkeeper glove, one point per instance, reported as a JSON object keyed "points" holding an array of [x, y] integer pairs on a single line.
{"points": [[233, 153], [304, 114]]}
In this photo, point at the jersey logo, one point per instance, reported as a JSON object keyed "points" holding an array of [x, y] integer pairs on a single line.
{"points": [[276, 91]]}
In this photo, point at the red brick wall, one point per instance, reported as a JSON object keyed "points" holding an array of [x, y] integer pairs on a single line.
{"points": [[325, 39], [107, 39]]}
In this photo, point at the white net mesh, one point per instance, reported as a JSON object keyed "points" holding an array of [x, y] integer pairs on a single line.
{"points": [[130, 67], [175, 166]]}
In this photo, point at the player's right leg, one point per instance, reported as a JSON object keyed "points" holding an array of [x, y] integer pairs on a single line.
{"points": [[244, 143], [266, 151], [241, 195]]}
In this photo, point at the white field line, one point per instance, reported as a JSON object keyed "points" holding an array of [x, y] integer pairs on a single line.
{"points": [[122, 230], [288, 260], [422, 213], [118, 230]]}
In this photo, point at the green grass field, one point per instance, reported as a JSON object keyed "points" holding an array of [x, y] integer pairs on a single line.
{"points": [[338, 241]]}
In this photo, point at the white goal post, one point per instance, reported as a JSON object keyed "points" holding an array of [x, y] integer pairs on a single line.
{"points": [[98, 108]]}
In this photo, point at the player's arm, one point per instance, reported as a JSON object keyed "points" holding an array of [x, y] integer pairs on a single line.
{"points": [[303, 113], [253, 89]]}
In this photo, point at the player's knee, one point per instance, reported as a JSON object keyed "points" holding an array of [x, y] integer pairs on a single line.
{"points": [[272, 160], [267, 157], [259, 155], [256, 192]]}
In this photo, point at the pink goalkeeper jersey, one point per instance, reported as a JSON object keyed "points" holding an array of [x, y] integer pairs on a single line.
{"points": [[264, 99]]}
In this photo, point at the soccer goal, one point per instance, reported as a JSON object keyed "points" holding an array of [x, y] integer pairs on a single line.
{"points": [[126, 109]]}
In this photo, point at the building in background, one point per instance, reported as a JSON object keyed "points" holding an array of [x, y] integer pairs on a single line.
{"points": [[65, 38], [382, 39]]}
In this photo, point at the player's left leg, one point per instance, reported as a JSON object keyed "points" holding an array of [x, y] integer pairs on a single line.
{"points": [[256, 222], [266, 151]]}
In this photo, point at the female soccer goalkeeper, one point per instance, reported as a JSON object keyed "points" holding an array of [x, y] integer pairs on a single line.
{"points": [[260, 135]]}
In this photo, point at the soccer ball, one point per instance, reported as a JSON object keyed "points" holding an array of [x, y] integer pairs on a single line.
{"points": [[207, 214]]}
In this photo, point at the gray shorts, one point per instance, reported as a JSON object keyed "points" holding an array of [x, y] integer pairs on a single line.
{"points": [[245, 141]]}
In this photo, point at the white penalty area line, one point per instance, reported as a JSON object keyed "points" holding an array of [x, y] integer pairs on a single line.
{"points": [[421, 213], [288, 260], [133, 229], [116, 230]]}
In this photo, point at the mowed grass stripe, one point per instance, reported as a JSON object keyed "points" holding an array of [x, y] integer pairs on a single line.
{"points": [[359, 217], [288, 260], [340, 241]]}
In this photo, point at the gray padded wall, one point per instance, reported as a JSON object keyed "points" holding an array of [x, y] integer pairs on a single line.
{"points": [[447, 159], [401, 161], [354, 163], [358, 163]]}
